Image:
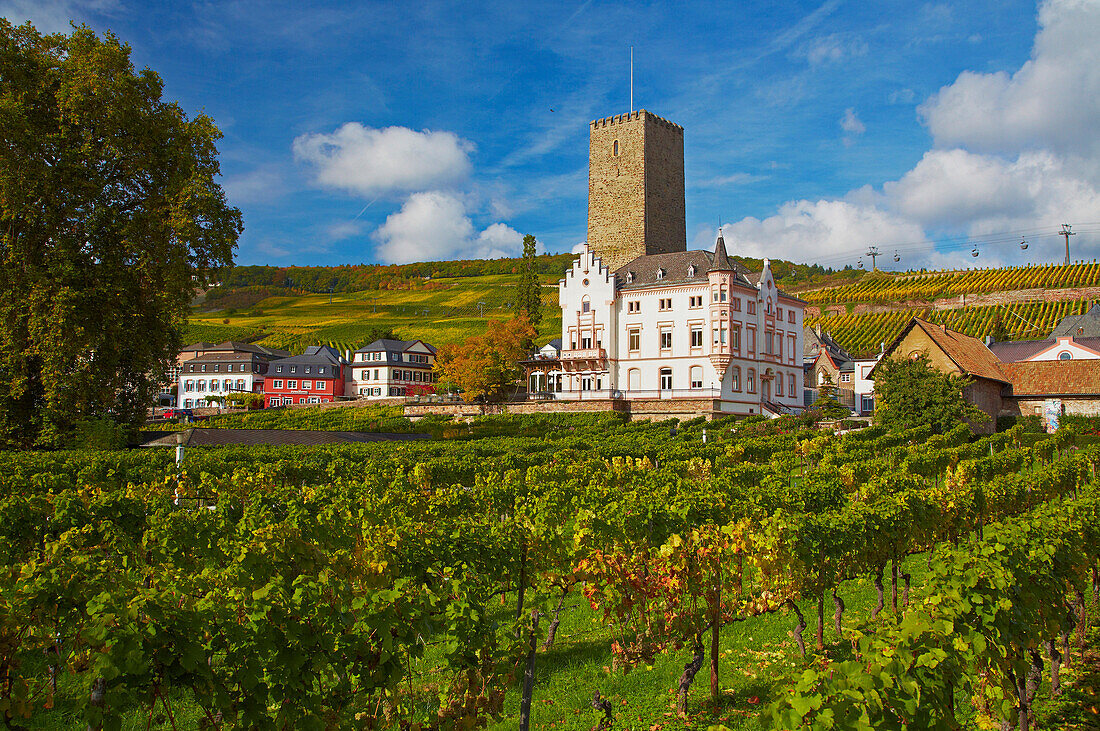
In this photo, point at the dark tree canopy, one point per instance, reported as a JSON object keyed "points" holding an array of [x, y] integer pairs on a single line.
{"points": [[529, 289], [910, 393], [110, 216]]}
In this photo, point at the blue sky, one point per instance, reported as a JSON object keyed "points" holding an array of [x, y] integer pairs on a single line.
{"points": [[391, 132]]}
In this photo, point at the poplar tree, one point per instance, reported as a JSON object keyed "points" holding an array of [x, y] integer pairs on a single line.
{"points": [[529, 294], [110, 217]]}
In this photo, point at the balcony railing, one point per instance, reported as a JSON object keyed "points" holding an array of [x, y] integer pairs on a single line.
{"points": [[584, 354], [593, 395]]}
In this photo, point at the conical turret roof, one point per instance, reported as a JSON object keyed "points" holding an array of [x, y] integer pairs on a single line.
{"points": [[721, 260]]}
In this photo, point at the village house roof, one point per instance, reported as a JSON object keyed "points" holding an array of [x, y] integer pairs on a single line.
{"points": [[1050, 378], [258, 437], [686, 267], [1086, 325], [1012, 351], [971, 355], [315, 355], [393, 346]]}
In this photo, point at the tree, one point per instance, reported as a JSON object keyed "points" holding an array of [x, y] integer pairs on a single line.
{"points": [[910, 393], [827, 402], [529, 289], [486, 365], [110, 217]]}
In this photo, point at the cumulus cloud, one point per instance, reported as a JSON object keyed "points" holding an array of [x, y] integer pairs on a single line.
{"points": [[434, 225], [1052, 101], [1011, 152], [393, 160], [818, 230]]}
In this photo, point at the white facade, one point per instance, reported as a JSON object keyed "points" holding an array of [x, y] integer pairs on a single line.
{"points": [[1066, 348], [863, 386], [205, 377], [392, 369], [681, 325]]}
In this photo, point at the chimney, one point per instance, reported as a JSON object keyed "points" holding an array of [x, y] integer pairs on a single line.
{"points": [[989, 340]]}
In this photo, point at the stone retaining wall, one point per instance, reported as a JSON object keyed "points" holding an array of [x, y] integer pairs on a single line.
{"points": [[649, 409]]}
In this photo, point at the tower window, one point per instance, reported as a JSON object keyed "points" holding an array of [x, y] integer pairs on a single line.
{"points": [[615, 148]]}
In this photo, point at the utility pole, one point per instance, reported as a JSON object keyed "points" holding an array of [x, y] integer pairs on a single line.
{"points": [[872, 251], [1067, 233]]}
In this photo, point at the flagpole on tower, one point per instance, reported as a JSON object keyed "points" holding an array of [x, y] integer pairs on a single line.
{"points": [[632, 79]]}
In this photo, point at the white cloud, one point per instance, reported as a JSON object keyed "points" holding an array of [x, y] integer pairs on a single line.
{"points": [[434, 226], [374, 162], [729, 180], [1051, 102], [851, 123], [578, 248], [343, 230], [833, 49], [53, 16], [1017, 152], [821, 231], [261, 185]]}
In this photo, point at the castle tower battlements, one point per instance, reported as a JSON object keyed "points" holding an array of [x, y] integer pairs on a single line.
{"points": [[635, 187]]}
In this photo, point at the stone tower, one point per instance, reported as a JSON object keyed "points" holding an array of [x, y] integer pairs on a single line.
{"points": [[635, 187]]}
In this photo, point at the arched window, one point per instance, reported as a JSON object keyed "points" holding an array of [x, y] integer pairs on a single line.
{"points": [[750, 381], [660, 274], [615, 148], [735, 378], [691, 270], [629, 277], [778, 384], [634, 379], [586, 306], [696, 376], [666, 379]]}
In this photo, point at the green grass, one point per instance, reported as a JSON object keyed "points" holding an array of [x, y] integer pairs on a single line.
{"points": [[438, 316]]}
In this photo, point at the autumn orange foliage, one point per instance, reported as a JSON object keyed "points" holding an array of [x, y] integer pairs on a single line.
{"points": [[486, 365]]}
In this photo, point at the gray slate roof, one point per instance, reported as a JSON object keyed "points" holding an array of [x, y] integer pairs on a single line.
{"points": [[394, 346], [1086, 325], [257, 437]]}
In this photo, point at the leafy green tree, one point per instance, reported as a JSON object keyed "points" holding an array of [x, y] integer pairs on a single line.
{"points": [[529, 289], [110, 216], [911, 393], [827, 402]]}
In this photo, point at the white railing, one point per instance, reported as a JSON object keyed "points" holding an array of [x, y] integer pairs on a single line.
{"points": [[584, 354], [593, 395]]}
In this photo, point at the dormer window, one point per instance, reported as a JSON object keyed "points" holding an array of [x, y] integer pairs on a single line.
{"points": [[630, 277], [691, 270], [660, 274]]}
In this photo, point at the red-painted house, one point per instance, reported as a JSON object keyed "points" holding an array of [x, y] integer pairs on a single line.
{"points": [[314, 377]]}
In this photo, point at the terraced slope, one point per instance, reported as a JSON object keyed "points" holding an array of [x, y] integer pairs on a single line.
{"points": [[865, 333]]}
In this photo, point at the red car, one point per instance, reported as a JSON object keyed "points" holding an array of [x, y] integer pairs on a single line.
{"points": [[177, 414]]}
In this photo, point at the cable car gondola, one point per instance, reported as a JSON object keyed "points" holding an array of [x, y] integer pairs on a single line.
{"points": [[974, 251], [1023, 245], [897, 256]]}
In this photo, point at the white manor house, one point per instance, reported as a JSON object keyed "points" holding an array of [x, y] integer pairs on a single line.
{"points": [[643, 317]]}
